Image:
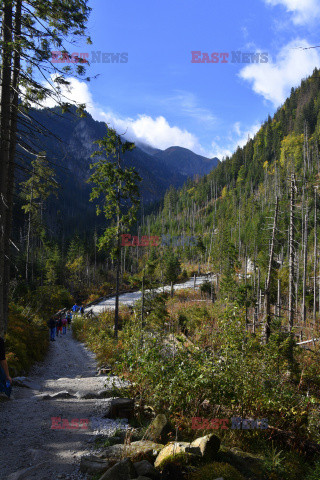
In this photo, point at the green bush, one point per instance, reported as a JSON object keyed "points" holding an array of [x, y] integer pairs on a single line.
{"points": [[27, 340], [314, 472], [99, 336]]}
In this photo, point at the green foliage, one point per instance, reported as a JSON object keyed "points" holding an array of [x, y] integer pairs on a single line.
{"points": [[37, 189], [99, 337], [207, 287], [314, 472], [75, 264], [46, 301], [172, 267], [53, 265], [26, 340], [274, 462], [117, 186]]}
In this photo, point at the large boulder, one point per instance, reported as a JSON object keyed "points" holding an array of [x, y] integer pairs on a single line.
{"points": [[206, 447], [136, 451], [122, 470], [93, 465], [145, 469], [170, 450], [159, 430]]}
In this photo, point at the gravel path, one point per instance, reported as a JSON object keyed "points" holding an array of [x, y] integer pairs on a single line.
{"points": [[26, 438]]}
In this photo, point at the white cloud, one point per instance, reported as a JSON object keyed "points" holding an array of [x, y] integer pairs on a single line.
{"points": [[274, 80], [233, 143], [76, 92], [154, 131], [304, 11], [236, 128]]}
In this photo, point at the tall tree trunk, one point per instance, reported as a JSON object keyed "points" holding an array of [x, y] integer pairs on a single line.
{"points": [[291, 252], [245, 282], [142, 303], [315, 259], [258, 293], [279, 298], [267, 321], [116, 310], [29, 229], [5, 180], [304, 279]]}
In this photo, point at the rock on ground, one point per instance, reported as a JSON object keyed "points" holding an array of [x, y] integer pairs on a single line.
{"points": [[120, 471], [207, 447], [159, 430], [136, 451]]}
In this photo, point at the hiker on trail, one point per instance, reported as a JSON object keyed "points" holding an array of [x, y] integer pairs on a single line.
{"points": [[75, 308], [69, 318], [52, 325], [81, 310], [59, 326], [5, 379], [64, 326]]}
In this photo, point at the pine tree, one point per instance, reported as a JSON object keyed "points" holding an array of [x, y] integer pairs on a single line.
{"points": [[117, 188], [35, 192]]}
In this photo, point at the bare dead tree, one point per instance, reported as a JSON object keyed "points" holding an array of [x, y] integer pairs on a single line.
{"points": [[267, 320], [304, 278], [315, 258], [291, 251]]}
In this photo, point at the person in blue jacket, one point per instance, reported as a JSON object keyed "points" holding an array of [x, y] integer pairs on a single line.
{"points": [[75, 307], [5, 379]]}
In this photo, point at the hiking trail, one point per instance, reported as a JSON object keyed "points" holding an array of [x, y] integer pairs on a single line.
{"points": [[29, 448]]}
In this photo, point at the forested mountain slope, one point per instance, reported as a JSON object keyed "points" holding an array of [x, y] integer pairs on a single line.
{"points": [[232, 209]]}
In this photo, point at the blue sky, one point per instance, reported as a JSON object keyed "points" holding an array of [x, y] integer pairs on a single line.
{"points": [[160, 97]]}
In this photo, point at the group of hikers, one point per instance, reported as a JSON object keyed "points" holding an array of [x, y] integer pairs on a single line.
{"points": [[59, 323]]}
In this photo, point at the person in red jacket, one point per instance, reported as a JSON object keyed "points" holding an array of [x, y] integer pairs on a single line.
{"points": [[59, 325]]}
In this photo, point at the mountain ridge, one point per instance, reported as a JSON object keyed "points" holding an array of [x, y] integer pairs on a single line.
{"points": [[72, 157]]}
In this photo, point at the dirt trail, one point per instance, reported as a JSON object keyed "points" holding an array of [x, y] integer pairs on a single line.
{"points": [[26, 438]]}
